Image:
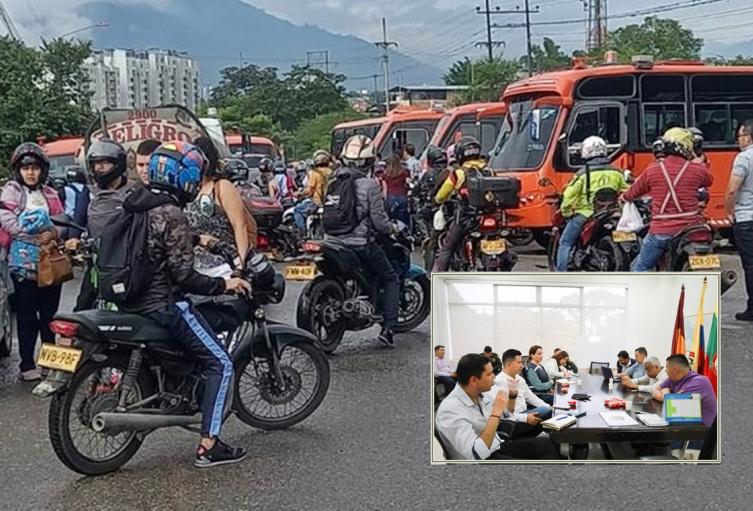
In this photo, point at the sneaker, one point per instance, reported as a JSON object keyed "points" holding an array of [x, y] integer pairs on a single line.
{"points": [[31, 375], [746, 315], [219, 454], [387, 337]]}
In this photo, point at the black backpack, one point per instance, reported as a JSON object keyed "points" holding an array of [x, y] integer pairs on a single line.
{"points": [[124, 270], [340, 215]]}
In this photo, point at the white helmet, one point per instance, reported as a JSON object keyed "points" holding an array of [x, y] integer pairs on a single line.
{"points": [[593, 147], [358, 151]]}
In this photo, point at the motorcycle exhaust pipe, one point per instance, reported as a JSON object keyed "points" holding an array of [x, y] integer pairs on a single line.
{"points": [[114, 423], [728, 277]]}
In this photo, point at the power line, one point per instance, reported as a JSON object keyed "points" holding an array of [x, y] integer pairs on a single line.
{"points": [[384, 44], [527, 11]]}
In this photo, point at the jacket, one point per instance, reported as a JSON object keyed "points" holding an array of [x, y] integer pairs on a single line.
{"points": [[102, 204], [170, 249], [14, 198], [369, 208], [575, 201], [666, 217], [455, 181]]}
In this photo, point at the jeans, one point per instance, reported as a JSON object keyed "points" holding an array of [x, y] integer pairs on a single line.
{"points": [[527, 448], [525, 430], [448, 382], [34, 307], [744, 243], [378, 267], [192, 332], [568, 240], [301, 211], [652, 249], [397, 208], [452, 239]]}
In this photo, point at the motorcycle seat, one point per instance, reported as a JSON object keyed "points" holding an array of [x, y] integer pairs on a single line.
{"points": [[119, 326]]}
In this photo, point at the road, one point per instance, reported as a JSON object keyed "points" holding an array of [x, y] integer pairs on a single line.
{"points": [[367, 447]]}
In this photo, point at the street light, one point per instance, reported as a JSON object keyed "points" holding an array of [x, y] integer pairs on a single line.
{"points": [[99, 24]]}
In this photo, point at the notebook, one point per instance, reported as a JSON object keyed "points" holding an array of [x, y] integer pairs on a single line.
{"points": [[651, 419], [682, 408], [558, 422], [618, 419]]}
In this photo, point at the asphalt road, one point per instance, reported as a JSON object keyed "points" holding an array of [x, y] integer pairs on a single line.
{"points": [[367, 447]]}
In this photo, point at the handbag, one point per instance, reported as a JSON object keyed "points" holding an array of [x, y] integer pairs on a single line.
{"points": [[54, 266]]}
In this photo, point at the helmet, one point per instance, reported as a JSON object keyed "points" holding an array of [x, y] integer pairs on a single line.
{"points": [[177, 168], [75, 174], [236, 170], [467, 148], [593, 147], [106, 150], [29, 153], [436, 157], [280, 168], [358, 151], [697, 140], [678, 141], [659, 149], [266, 165], [321, 158]]}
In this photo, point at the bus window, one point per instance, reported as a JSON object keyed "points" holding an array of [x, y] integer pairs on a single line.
{"points": [[662, 89], [718, 121], [524, 137], [605, 121], [607, 87], [488, 136], [722, 88], [659, 118]]}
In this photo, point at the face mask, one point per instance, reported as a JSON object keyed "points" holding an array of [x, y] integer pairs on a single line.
{"points": [[206, 206]]}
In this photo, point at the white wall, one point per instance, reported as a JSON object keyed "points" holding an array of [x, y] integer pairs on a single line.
{"points": [[650, 316]]}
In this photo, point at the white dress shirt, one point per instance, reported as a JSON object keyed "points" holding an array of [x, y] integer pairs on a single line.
{"points": [[442, 367], [553, 369], [647, 384], [525, 396], [459, 421]]}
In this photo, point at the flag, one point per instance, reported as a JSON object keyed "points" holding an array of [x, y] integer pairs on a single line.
{"points": [[678, 334], [695, 350], [711, 353]]}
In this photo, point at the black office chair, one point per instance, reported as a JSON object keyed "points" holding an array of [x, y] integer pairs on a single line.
{"points": [[441, 444], [439, 395], [525, 361], [596, 367], [707, 449]]}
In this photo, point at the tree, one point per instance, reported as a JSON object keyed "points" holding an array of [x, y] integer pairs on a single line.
{"points": [[735, 61], [315, 133], [663, 38], [490, 77], [460, 73], [547, 57]]}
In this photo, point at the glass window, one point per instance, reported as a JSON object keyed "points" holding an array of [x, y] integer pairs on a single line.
{"points": [[488, 136], [604, 296], [607, 87], [560, 295], [560, 326], [599, 321], [461, 292], [524, 137], [469, 340], [516, 294], [662, 88], [605, 121], [516, 327], [718, 121], [659, 118], [722, 87]]}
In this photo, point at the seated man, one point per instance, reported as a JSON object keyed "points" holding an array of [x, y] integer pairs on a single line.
{"points": [[467, 420], [649, 382], [537, 377], [526, 408], [443, 372], [624, 361], [494, 359], [636, 370]]}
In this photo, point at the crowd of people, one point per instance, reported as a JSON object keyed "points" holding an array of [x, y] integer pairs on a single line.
{"points": [[474, 416]]}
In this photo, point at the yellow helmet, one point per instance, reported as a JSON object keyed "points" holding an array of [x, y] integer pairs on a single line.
{"points": [[678, 141]]}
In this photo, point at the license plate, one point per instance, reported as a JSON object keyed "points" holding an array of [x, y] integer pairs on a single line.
{"points": [[620, 236], [704, 262], [300, 272], [493, 247], [58, 357]]}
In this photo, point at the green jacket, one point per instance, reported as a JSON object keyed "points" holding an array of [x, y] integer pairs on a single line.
{"points": [[574, 199]]}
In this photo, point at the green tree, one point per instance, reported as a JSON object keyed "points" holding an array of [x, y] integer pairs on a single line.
{"points": [[490, 77], [734, 61], [315, 133], [460, 73], [663, 38], [547, 57]]}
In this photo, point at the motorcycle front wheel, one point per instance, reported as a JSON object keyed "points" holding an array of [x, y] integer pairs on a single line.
{"points": [[260, 401], [415, 303], [319, 312]]}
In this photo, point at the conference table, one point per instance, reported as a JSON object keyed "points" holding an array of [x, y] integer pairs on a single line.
{"points": [[591, 428]]}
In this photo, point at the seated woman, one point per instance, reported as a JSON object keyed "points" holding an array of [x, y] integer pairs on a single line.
{"points": [[556, 366], [536, 375]]}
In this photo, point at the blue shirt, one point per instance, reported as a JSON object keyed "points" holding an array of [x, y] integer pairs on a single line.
{"points": [[636, 370]]}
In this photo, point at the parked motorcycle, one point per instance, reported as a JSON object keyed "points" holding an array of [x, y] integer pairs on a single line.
{"points": [[343, 297], [117, 377]]}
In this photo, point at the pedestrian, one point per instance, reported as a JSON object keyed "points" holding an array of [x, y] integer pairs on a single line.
{"points": [[28, 205], [411, 162], [395, 190]]}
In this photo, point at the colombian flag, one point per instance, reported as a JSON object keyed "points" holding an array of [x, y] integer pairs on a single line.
{"points": [[697, 351], [711, 353], [678, 334]]}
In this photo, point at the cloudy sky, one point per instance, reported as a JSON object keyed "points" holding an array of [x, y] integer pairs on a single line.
{"points": [[436, 31]]}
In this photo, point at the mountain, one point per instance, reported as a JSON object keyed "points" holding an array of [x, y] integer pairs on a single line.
{"points": [[729, 50], [217, 32]]}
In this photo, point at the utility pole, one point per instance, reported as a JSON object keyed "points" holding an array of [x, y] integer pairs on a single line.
{"points": [[597, 23], [8, 22], [323, 58], [527, 11], [384, 44], [489, 43], [376, 87]]}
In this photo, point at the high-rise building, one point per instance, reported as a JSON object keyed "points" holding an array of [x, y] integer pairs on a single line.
{"points": [[123, 78]]}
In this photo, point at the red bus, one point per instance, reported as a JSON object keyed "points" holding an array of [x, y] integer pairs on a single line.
{"points": [[63, 153], [254, 150], [549, 115], [480, 120]]}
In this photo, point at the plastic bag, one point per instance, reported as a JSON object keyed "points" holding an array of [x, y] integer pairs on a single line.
{"points": [[440, 221], [630, 220]]}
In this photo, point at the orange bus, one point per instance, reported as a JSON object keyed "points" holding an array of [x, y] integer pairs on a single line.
{"points": [[254, 151], [394, 130], [549, 115], [63, 153], [480, 120]]}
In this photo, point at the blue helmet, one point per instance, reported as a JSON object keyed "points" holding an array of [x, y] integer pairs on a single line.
{"points": [[177, 168]]}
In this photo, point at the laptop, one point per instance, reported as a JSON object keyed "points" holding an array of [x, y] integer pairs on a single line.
{"points": [[608, 374], [682, 408]]}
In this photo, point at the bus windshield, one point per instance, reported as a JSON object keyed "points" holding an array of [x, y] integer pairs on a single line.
{"points": [[524, 137]]}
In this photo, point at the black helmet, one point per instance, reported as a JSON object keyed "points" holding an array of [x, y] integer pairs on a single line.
{"points": [[266, 165], [106, 150], [236, 170], [26, 154], [467, 148], [436, 157], [280, 168], [75, 174]]}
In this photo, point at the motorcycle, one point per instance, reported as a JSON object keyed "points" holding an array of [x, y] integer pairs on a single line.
{"points": [[314, 229], [343, 297], [273, 236], [116, 377]]}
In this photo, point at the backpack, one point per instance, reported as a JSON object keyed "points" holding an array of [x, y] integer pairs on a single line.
{"points": [[340, 214], [124, 270]]}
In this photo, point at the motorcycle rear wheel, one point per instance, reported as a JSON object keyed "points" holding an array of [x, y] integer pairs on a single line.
{"points": [[419, 309], [270, 401], [320, 300]]}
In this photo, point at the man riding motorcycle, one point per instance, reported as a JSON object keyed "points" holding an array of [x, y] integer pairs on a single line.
{"points": [[426, 190], [468, 156], [672, 182], [313, 194], [281, 187], [578, 197], [371, 220]]}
